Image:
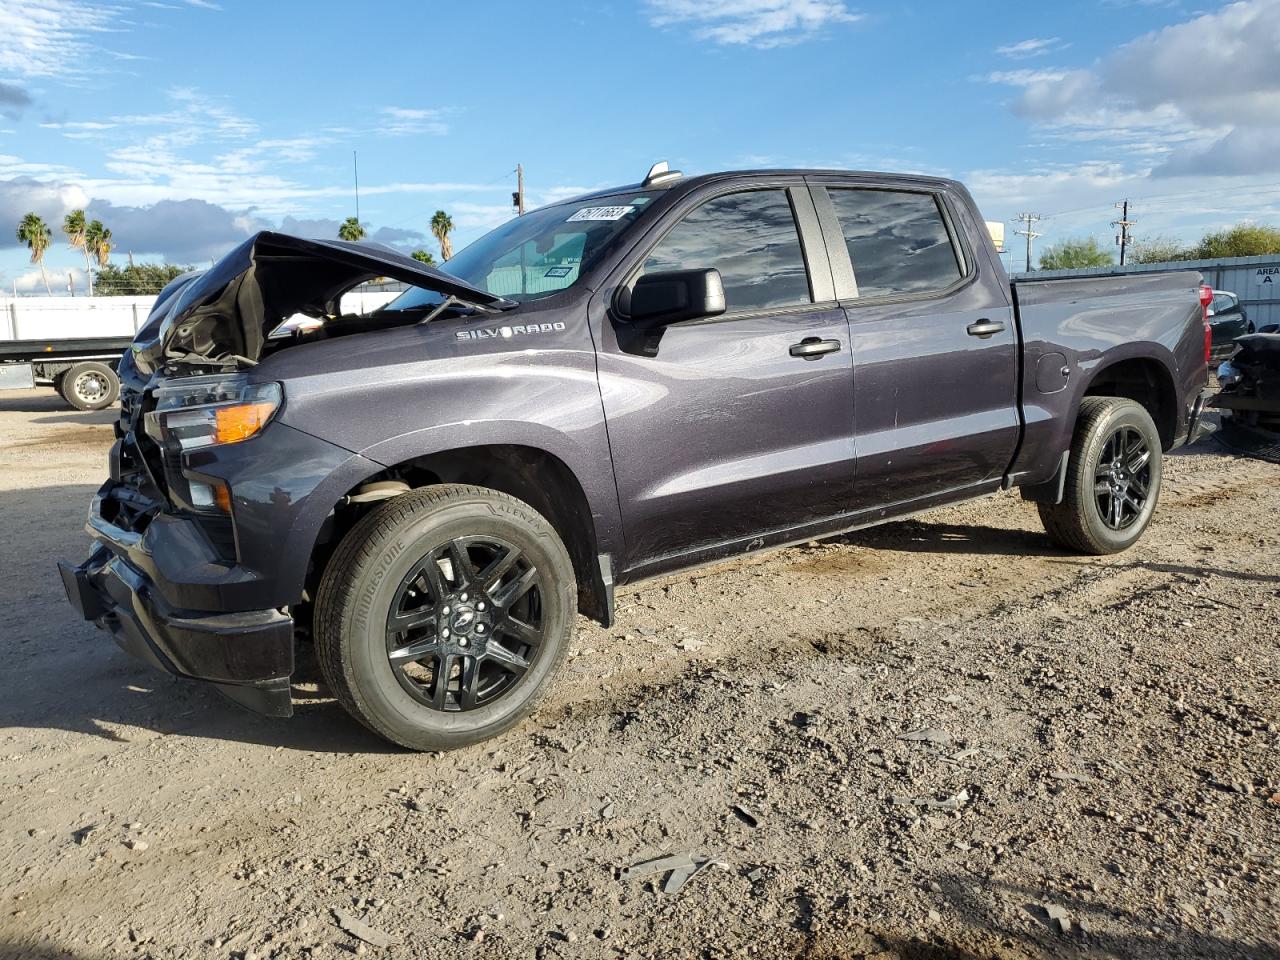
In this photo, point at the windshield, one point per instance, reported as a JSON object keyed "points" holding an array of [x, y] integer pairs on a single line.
{"points": [[538, 254]]}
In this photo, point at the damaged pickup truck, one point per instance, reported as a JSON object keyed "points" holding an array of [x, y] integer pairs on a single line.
{"points": [[604, 390]]}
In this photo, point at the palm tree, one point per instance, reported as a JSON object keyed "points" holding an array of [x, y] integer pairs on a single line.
{"points": [[441, 226], [35, 233], [73, 225], [97, 240], [351, 230], [423, 256]]}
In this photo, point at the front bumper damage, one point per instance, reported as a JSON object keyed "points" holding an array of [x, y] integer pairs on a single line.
{"points": [[247, 655]]}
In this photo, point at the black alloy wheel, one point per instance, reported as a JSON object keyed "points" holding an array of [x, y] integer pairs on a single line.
{"points": [[466, 623], [444, 614], [1112, 482], [1123, 478]]}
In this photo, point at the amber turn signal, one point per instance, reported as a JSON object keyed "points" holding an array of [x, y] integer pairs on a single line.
{"points": [[240, 422]]}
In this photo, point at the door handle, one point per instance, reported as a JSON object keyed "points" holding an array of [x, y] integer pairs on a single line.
{"points": [[985, 328], [812, 348]]}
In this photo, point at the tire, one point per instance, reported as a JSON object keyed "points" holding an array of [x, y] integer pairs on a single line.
{"points": [[90, 386], [1079, 522], [425, 560]]}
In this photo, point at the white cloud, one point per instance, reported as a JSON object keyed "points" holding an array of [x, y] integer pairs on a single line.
{"points": [[1159, 95], [1027, 78], [403, 121], [753, 23], [52, 38], [1035, 47]]}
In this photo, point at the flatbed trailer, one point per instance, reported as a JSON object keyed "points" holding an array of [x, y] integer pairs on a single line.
{"points": [[71, 343]]}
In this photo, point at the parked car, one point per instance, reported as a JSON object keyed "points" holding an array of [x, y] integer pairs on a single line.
{"points": [[1227, 320], [607, 389]]}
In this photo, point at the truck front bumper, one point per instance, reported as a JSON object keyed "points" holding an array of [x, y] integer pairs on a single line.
{"points": [[247, 655]]}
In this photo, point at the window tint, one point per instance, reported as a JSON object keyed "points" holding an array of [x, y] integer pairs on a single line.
{"points": [[751, 239], [897, 241]]}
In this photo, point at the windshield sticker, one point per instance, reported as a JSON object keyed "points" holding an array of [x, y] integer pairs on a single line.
{"points": [[558, 272], [601, 213]]}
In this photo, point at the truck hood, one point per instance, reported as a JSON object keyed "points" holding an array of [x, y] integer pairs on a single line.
{"points": [[222, 316]]}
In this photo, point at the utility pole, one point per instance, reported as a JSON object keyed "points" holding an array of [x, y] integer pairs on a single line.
{"points": [[1027, 219], [1124, 223], [355, 176], [517, 198]]}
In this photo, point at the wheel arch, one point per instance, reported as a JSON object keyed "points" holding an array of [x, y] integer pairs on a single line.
{"points": [[528, 473], [1145, 380]]}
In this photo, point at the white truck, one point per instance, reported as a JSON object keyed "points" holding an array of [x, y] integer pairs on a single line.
{"points": [[74, 343]]}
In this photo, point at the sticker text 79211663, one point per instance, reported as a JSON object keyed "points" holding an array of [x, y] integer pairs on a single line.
{"points": [[600, 213]]}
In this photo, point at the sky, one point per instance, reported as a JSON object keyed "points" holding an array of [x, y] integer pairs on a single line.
{"points": [[187, 125]]}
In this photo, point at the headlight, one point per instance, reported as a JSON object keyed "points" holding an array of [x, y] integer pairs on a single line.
{"points": [[196, 412]]}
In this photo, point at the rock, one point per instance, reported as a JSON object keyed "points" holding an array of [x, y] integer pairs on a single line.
{"points": [[138, 845], [362, 931], [1058, 917]]}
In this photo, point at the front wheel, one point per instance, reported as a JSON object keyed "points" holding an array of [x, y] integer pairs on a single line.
{"points": [[1113, 478], [444, 614]]}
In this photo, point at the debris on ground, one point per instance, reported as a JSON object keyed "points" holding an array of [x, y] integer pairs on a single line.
{"points": [[362, 931]]}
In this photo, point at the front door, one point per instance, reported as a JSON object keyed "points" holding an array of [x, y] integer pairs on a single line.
{"points": [[734, 426], [935, 348]]}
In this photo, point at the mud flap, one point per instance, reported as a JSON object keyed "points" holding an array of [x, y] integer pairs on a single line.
{"points": [[1051, 490]]}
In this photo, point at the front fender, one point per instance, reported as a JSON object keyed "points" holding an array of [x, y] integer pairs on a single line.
{"points": [[390, 413]]}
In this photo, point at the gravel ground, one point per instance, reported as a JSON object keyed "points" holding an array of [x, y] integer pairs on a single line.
{"points": [[941, 738]]}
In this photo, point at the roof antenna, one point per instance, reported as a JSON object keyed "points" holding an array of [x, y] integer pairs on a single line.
{"points": [[660, 173]]}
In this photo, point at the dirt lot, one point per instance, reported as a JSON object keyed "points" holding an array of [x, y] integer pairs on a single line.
{"points": [[941, 738]]}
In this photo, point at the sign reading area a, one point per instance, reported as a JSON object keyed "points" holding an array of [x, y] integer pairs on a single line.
{"points": [[1267, 275]]}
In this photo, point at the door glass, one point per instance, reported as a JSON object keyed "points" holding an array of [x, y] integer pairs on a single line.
{"points": [[751, 239], [897, 241]]}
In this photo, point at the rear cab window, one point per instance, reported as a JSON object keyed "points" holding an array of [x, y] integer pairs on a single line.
{"points": [[897, 240]]}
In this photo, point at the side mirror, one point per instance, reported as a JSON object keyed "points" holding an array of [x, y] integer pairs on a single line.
{"points": [[667, 297]]}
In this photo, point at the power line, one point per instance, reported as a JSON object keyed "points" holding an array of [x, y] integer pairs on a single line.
{"points": [[1028, 219]]}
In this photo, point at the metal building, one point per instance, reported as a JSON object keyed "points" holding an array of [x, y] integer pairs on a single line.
{"points": [[1255, 280]]}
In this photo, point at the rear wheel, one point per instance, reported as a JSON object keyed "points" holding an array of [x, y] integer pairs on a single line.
{"points": [[444, 614], [89, 386], [1113, 478]]}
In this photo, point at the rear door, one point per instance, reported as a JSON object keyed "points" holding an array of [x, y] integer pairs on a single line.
{"points": [[718, 429], [934, 343]]}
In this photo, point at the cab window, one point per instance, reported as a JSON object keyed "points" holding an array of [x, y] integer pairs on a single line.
{"points": [[898, 241], [751, 238]]}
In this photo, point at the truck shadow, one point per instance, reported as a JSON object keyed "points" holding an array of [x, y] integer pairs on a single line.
{"points": [[110, 695], [45, 400], [930, 536], [1000, 919]]}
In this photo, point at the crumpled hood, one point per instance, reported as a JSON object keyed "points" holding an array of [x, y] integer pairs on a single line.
{"points": [[224, 314]]}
